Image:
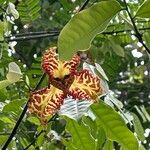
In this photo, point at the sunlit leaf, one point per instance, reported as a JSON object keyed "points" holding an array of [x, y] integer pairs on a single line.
{"points": [[83, 27], [144, 10], [114, 126]]}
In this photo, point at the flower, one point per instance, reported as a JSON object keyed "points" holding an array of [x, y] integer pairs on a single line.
{"points": [[64, 81]]}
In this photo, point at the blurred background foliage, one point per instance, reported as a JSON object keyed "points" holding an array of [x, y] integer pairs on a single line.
{"points": [[117, 50]]}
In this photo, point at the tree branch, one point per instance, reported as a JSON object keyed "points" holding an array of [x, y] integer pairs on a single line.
{"points": [[43, 34], [137, 33], [30, 37], [34, 33], [21, 117], [121, 31]]}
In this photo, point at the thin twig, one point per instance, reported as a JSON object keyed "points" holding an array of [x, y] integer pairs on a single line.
{"points": [[23, 38], [34, 33], [21, 117], [43, 34], [123, 31], [137, 33], [84, 5]]}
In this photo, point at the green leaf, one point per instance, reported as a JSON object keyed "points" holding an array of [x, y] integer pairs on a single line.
{"points": [[138, 127], [34, 120], [116, 47], [6, 119], [29, 10], [3, 94], [144, 10], [2, 126], [146, 37], [114, 126], [83, 27], [4, 84], [101, 71], [49, 145], [81, 138], [108, 145], [91, 125], [142, 147], [97, 132], [14, 106], [1, 31], [41, 139], [3, 139]]}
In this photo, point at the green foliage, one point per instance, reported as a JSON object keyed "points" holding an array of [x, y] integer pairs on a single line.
{"points": [[29, 10], [14, 106], [103, 27], [146, 36], [116, 47], [114, 126], [3, 94], [97, 132], [84, 26], [4, 84]]}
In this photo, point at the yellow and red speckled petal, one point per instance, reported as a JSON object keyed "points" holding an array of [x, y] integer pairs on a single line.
{"points": [[50, 61], [75, 61], [85, 86], [45, 102]]}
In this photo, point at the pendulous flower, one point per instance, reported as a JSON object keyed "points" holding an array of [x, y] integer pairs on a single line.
{"points": [[64, 81]]}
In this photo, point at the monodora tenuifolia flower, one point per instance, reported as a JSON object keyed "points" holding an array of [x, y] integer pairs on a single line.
{"points": [[65, 80]]}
